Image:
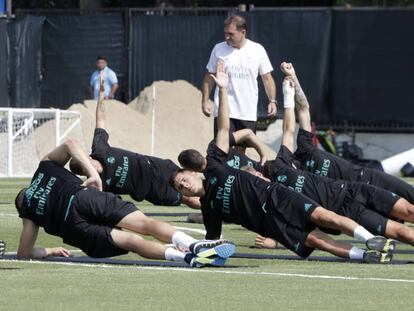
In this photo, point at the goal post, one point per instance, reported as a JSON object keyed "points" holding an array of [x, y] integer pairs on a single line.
{"points": [[26, 135]]}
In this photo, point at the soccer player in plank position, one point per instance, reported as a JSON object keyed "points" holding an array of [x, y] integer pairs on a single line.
{"points": [[231, 195], [368, 205], [326, 164], [124, 172], [94, 221]]}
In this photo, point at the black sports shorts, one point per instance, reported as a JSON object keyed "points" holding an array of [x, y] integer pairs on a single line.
{"points": [[236, 125], [91, 216], [288, 219], [369, 206]]}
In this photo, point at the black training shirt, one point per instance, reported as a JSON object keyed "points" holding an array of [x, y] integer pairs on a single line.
{"points": [[47, 200], [323, 163], [231, 195], [126, 172], [327, 192]]}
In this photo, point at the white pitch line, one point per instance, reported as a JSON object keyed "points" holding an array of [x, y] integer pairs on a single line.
{"points": [[273, 274], [9, 215], [201, 231]]}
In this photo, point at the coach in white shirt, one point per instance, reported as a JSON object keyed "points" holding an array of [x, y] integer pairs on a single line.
{"points": [[244, 60]]}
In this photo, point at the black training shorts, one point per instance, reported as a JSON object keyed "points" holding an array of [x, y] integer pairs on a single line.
{"points": [[236, 125], [288, 219], [369, 206], [90, 218], [392, 183]]}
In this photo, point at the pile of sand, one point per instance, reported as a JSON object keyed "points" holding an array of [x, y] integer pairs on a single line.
{"points": [[179, 124]]}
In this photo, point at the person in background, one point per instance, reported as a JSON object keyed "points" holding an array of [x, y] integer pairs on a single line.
{"points": [[108, 76]]}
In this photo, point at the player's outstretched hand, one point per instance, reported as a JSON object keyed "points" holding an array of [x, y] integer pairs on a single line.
{"points": [[58, 251], [221, 78], [93, 181], [262, 242], [287, 69]]}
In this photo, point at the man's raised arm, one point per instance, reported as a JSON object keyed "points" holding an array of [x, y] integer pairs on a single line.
{"points": [[100, 107], [223, 122], [302, 104], [289, 121]]}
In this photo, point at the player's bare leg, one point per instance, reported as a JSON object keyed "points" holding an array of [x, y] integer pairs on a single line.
{"points": [[400, 232], [138, 222], [134, 243], [328, 219], [322, 241], [403, 210]]}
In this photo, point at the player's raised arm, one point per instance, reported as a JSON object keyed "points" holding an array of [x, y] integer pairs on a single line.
{"points": [[223, 121], [302, 104], [28, 238], [100, 107], [288, 138]]}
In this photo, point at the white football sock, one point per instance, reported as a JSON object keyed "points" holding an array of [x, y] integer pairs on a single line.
{"points": [[362, 234], [356, 253], [181, 239], [172, 254]]}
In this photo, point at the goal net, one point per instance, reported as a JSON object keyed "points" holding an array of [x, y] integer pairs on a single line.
{"points": [[26, 135]]}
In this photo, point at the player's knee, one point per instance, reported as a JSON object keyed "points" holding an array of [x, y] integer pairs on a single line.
{"points": [[147, 224], [312, 241], [321, 215], [132, 241]]}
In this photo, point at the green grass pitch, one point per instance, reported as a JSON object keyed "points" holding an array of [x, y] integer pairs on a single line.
{"points": [[252, 285]]}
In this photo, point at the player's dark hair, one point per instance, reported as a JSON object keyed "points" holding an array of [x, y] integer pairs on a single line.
{"points": [[174, 175], [238, 20], [75, 167], [18, 201], [101, 57], [191, 159]]}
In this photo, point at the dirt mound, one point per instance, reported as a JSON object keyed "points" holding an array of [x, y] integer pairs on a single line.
{"points": [[179, 123]]}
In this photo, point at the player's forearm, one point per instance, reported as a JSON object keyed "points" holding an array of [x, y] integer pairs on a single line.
{"points": [[253, 142], [304, 119], [100, 112], [289, 126], [300, 97], [223, 120], [76, 152]]}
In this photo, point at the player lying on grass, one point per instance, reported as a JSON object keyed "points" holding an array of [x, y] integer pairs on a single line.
{"points": [[231, 195], [95, 221], [368, 205], [124, 172], [326, 164]]}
